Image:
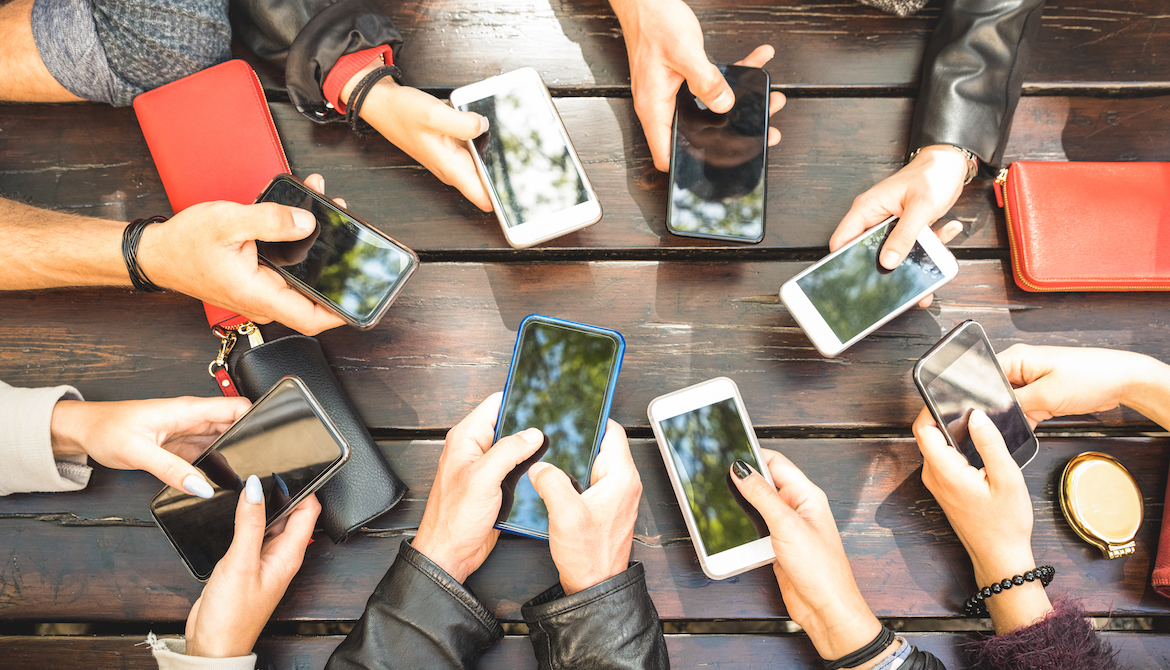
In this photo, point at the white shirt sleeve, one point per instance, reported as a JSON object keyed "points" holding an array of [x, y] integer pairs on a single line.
{"points": [[171, 654], [27, 463]]}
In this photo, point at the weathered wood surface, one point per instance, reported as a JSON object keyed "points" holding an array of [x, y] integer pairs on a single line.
{"points": [[447, 342], [96, 555], [833, 150]]}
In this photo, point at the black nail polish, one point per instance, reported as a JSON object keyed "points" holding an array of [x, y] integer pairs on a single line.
{"points": [[741, 469]]}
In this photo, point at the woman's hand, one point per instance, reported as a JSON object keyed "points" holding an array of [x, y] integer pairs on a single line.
{"points": [[991, 513], [161, 437], [590, 533], [249, 581], [811, 566], [457, 531]]}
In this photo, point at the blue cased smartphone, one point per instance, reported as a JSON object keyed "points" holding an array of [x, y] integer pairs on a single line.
{"points": [[561, 381]]}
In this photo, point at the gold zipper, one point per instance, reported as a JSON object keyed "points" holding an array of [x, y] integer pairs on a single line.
{"points": [[271, 123], [1001, 183]]}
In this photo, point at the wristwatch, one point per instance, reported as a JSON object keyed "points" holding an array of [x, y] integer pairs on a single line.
{"points": [[972, 160]]}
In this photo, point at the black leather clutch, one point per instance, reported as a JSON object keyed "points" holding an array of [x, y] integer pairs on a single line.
{"points": [[365, 487]]}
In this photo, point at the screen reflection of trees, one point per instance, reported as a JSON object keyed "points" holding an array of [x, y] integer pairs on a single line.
{"points": [[852, 292], [558, 385], [703, 444], [527, 160]]}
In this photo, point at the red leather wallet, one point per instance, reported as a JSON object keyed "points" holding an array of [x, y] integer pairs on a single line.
{"points": [[1087, 226]]}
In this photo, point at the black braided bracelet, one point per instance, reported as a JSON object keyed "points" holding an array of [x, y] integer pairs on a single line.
{"points": [[357, 97], [974, 606], [131, 237], [865, 654]]}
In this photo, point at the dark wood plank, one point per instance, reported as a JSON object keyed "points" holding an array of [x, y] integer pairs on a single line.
{"points": [[833, 150], [447, 342], [733, 652], [95, 556]]}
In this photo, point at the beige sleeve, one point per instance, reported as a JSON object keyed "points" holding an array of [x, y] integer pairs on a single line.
{"points": [[171, 654], [27, 464]]}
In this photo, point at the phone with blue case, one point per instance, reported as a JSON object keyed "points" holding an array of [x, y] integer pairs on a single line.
{"points": [[561, 381]]}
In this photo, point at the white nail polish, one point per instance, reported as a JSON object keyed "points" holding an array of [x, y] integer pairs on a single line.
{"points": [[253, 491], [197, 486]]}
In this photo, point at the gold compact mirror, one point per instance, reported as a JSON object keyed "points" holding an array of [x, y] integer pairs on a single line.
{"points": [[1102, 502]]}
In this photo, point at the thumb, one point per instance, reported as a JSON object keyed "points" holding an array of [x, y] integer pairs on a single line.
{"points": [[173, 471], [250, 523], [762, 495], [271, 222], [998, 463], [707, 83], [510, 452], [444, 120], [553, 485]]}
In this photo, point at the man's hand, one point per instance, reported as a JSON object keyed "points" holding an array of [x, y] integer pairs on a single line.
{"points": [[665, 46], [208, 251], [249, 581], [590, 533], [457, 531], [161, 437]]}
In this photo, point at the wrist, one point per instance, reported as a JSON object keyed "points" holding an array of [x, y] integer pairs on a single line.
{"points": [[67, 428], [571, 584], [958, 162], [841, 631], [1002, 565], [436, 554], [1146, 385]]}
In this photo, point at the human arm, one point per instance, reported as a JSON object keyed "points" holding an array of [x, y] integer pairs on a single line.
{"points": [[600, 615], [23, 75]]}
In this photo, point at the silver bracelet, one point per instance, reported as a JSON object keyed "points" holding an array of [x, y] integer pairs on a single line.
{"points": [[972, 160]]}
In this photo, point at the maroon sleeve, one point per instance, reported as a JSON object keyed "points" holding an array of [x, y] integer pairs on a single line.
{"points": [[1063, 640]]}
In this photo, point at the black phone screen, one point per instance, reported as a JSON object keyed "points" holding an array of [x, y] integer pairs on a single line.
{"points": [[282, 441], [703, 444], [964, 375], [341, 261], [561, 382], [525, 154], [717, 185], [852, 291]]}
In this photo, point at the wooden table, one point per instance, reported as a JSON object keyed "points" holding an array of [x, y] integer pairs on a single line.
{"points": [[1098, 88]]}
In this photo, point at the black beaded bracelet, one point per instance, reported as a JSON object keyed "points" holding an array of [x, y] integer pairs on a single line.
{"points": [[131, 237], [357, 97], [974, 606], [865, 654]]}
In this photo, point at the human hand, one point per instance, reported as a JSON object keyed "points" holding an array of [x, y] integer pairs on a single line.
{"points": [[457, 531], [811, 566], [590, 533], [161, 437], [249, 581], [990, 511], [427, 129], [919, 194], [665, 47], [208, 251]]}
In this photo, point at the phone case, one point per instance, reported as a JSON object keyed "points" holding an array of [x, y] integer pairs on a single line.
{"points": [[617, 368], [366, 486]]}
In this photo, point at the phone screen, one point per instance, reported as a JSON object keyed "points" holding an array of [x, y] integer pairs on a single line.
{"points": [[355, 269], [851, 291], [561, 382], [717, 185], [524, 152], [282, 441], [703, 444], [964, 375]]}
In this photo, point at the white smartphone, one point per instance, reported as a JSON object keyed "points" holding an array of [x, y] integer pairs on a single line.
{"points": [[526, 160], [848, 295], [701, 431]]}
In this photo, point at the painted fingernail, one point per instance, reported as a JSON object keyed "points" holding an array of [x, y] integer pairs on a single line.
{"points": [[725, 100], [978, 419], [253, 491], [303, 219], [532, 436], [741, 469], [890, 259], [198, 486]]}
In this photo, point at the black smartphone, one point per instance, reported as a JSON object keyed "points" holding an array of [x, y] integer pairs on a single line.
{"points": [[561, 381], [286, 440], [346, 265], [961, 374], [718, 162]]}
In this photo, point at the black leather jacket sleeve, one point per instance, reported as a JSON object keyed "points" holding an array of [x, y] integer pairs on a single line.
{"points": [[610, 626], [418, 617], [972, 75]]}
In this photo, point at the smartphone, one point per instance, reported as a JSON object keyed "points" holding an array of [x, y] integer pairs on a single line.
{"points": [[561, 381], [536, 182], [286, 440], [848, 295], [701, 431], [961, 374], [718, 162], [347, 266]]}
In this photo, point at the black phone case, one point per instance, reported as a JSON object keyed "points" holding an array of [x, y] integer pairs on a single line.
{"points": [[365, 487]]}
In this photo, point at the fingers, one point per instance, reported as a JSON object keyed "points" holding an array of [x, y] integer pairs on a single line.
{"points": [[614, 454], [1000, 466], [707, 83], [937, 454], [463, 176], [759, 57], [250, 522], [316, 182], [174, 471], [289, 547], [479, 427], [271, 222], [291, 308], [657, 117], [443, 120], [1015, 360], [776, 102], [901, 240], [757, 491], [865, 213], [949, 232], [555, 489], [509, 452]]}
